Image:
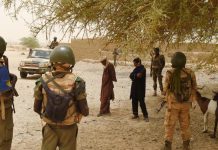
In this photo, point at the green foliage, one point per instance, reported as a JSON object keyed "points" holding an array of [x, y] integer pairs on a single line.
{"points": [[135, 24], [30, 42]]}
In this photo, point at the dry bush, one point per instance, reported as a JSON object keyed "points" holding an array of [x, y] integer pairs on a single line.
{"points": [[134, 24], [208, 62]]}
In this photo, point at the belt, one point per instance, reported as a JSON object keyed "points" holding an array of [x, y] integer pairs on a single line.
{"points": [[156, 67], [61, 126]]}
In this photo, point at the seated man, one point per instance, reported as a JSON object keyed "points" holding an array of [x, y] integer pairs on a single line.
{"points": [[54, 43]]}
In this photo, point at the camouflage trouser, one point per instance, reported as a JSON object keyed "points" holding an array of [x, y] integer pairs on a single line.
{"points": [[157, 74], [57, 136], [6, 129], [179, 111]]}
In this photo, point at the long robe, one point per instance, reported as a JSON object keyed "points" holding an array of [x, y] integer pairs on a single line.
{"points": [[107, 93]]}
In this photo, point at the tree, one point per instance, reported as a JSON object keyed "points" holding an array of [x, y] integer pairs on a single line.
{"points": [[30, 42], [135, 24]]}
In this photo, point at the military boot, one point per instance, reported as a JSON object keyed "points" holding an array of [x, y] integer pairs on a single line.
{"points": [[186, 145], [167, 146]]}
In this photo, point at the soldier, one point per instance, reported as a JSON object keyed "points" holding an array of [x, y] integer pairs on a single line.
{"points": [[7, 91], [157, 65], [115, 54], [60, 100], [54, 43], [180, 91]]}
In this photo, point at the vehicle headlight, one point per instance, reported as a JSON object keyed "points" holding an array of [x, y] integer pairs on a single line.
{"points": [[43, 64], [22, 63]]}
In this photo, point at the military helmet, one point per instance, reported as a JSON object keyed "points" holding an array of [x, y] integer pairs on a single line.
{"points": [[178, 60], [2, 45], [62, 54]]}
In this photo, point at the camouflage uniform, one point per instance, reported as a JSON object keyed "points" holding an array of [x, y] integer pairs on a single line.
{"points": [[6, 126], [60, 132], [178, 110], [157, 65], [6, 109], [63, 134], [53, 44], [115, 54]]}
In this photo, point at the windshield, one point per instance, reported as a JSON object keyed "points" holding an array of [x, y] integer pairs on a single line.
{"points": [[40, 54]]}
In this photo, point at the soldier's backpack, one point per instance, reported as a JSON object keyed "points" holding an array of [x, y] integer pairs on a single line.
{"points": [[186, 88], [5, 83], [57, 105]]}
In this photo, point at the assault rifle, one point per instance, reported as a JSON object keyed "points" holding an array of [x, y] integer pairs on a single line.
{"points": [[13, 79], [161, 106]]}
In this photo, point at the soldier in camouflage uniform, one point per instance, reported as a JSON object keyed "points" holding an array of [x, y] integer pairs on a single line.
{"points": [[157, 65], [115, 54], [7, 83], [61, 81], [180, 91], [54, 43]]}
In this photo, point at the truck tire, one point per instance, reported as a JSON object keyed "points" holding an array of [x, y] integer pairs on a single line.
{"points": [[23, 74]]}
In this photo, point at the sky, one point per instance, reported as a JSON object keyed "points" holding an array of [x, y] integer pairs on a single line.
{"points": [[12, 30]]}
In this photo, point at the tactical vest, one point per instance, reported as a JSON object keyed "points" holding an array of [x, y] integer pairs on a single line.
{"points": [[54, 44], [186, 87], [67, 83], [157, 62]]}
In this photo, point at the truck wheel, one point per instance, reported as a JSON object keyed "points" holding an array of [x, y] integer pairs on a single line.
{"points": [[23, 74]]}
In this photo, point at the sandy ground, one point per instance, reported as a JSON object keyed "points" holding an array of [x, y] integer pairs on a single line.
{"points": [[114, 132]]}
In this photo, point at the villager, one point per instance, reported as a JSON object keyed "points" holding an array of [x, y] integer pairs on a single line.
{"points": [[138, 87], [107, 92]]}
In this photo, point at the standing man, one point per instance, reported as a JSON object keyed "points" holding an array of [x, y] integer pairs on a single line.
{"points": [[157, 65], [107, 92], [138, 89], [180, 91], [54, 43], [60, 100], [115, 54], [7, 91]]}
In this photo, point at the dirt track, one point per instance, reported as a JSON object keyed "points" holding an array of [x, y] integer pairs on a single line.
{"points": [[115, 132]]}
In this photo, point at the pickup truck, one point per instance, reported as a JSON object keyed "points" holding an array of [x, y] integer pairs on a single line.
{"points": [[37, 62]]}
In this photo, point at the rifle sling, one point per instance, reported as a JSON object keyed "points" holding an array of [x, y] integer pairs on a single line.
{"points": [[72, 94], [55, 83]]}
